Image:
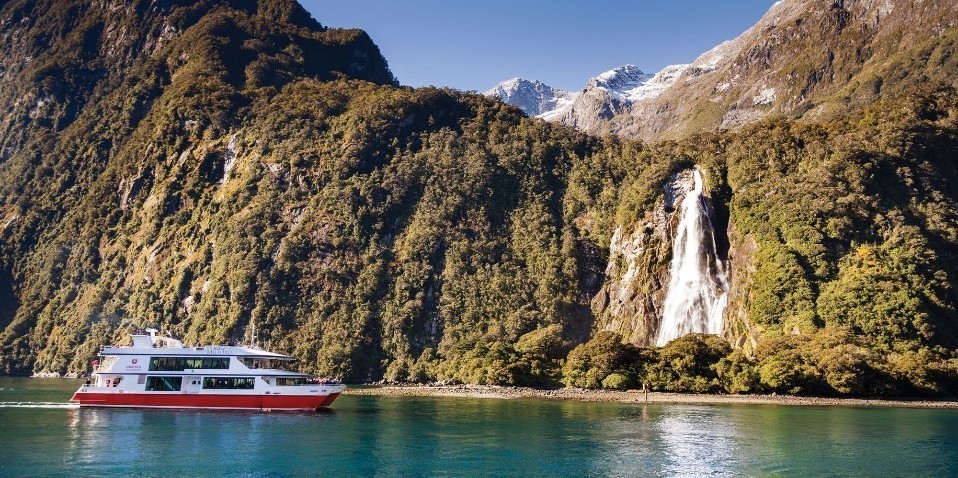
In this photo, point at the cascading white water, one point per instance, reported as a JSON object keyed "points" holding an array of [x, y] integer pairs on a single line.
{"points": [[698, 285]]}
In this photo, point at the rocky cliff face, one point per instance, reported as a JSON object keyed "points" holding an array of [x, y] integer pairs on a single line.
{"points": [[637, 275], [631, 301]]}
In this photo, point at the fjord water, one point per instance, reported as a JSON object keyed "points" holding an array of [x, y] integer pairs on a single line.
{"points": [[698, 286], [389, 436]]}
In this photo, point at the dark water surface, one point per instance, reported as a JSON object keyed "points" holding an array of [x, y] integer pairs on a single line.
{"points": [[401, 436]]}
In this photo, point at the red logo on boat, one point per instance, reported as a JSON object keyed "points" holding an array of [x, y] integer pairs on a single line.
{"points": [[134, 361]]}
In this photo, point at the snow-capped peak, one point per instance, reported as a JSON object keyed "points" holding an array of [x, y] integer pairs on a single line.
{"points": [[619, 80], [625, 85], [533, 97]]}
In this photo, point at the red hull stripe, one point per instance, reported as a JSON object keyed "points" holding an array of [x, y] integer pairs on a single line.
{"points": [[248, 402]]}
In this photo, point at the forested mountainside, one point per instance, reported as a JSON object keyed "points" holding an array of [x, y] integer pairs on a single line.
{"points": [[207, 167]]}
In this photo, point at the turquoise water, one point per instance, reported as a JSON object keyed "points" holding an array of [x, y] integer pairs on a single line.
{"points": [[401, 436]]}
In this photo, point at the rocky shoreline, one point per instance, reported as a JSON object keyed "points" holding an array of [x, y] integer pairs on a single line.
{"points": [[632, 396]]}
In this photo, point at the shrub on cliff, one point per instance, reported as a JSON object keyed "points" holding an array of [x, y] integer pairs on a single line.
{"points": [[844, 366], [924, 372], [687, 364], [591, 363], [616, 381], [830, 361], [737, 373], [546, 342], [539, 356], [784, 367]]}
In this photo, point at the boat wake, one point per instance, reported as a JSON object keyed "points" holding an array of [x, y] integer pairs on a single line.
{"points": [[38, 405]]}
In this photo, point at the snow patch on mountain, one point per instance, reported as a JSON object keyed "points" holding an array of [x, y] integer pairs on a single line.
{"points": [[561, 109], [710, 60], [764, 97], [657, 83]]}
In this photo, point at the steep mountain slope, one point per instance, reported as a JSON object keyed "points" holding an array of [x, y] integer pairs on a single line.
{"points": [[60, 56], [799, 61], [210, 167], [205, 166], [804, 58]]}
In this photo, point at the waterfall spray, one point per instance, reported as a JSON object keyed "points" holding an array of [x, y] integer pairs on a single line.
{"points": [[698, 285]]}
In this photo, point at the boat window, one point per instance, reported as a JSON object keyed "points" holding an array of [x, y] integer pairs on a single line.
{"points": [[176, 364], [290, 381], [228, 383], [163, 384], [255, 363]]}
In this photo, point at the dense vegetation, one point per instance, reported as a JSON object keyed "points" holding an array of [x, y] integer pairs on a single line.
{"points": [[256, 168]]}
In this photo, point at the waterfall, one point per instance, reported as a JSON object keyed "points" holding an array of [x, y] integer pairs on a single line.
{"points": [[698, 284]]}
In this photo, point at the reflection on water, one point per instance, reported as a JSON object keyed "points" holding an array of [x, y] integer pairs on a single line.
{"points": [[697, 442], [652, 440], [370, 436], [182, 442]]}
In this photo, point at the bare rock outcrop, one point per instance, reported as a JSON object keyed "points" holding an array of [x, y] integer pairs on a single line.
{"points": [[630, 303]]}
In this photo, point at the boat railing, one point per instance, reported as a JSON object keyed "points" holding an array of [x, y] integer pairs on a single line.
{"points": [[310, 383]]}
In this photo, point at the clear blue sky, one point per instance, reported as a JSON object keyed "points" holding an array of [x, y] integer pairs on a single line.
{"points": [[472, 45]]}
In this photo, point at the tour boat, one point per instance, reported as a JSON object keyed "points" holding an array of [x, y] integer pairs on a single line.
{"points": [[159, 372]]}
